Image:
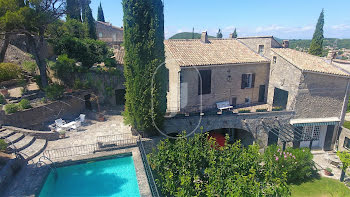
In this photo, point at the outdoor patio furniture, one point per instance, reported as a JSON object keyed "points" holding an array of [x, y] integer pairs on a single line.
{"points": [[60, 122], [81, 118], [224, 105]]}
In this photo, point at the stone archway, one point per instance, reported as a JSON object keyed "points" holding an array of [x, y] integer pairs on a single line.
{"points": [[236, 134]]}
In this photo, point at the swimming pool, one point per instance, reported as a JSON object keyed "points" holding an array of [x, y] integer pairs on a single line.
{"points": [[108, 178]]}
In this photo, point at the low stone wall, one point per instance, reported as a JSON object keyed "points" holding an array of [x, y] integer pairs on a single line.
{"points": [[47, 135], [344, 132], [39, 117]]}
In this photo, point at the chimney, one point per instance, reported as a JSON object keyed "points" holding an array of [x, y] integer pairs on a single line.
{"points": [[285, 43], [204, 37], [231, 36], [331, 54]]}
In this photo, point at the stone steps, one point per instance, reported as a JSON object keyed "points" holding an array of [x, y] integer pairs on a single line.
{"points": [[6, 133], [15, 138], [34, 149], [23, 143]]}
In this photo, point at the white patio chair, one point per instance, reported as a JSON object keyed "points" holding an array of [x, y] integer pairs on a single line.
{"points": [[60, 122], [81, 118]]}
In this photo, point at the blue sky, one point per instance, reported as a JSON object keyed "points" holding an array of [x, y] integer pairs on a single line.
{"points": [[280, 18]]}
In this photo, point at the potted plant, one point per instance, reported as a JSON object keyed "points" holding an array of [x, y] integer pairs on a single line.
{"points": [[100, 117], [62, 134], [328, 172]]}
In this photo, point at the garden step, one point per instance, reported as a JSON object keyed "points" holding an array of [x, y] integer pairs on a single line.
{"points": [[6, 133], [34, 149], [23, 143], [15, 137], [2, 129]]}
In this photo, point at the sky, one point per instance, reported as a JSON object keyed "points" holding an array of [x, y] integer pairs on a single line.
{"points": [[292, 19]]}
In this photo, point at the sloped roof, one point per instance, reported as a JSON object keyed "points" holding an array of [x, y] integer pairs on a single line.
{"points": [[194, 52], [109, 25], [307, 62]]}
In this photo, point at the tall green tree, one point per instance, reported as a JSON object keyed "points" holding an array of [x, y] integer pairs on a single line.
{"points": [[144, 53], [100, 15], [219, 34], [234, 35], [316, 46], [89, 20], [193, 33], [73, 10]]}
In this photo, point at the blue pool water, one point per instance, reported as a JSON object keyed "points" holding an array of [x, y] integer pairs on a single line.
{"points": [[107, 178]]}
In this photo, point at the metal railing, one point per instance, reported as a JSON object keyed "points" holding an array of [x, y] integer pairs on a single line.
{"points": [[148, 170], [103, 143], [71, 151]]}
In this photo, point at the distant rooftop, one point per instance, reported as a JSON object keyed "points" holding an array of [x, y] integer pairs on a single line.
{"points": [[307, 62], [110, 25], [193, 52]]}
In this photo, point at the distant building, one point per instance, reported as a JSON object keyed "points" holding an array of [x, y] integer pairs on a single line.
{"points": [[108, 33]]}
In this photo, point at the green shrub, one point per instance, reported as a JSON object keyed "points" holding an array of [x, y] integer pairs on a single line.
{"points": [[277, 108], [3, 145], [54, 91], [9, 71], [261, 110], [29, 66], [78, 84], [196, 166], [2, 99], [64, 69], [244, 111], [296, 163], [24, 104], [11, 108]]}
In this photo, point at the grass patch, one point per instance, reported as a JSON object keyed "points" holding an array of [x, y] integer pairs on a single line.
{"points": [[323, 187], [347, 124]]}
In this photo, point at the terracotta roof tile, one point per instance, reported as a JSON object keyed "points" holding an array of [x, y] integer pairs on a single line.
{"points": [[218, 51], [307, 62]]}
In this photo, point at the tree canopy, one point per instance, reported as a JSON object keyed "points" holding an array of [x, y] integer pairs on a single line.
{"points": [[219, 34], [234, 35], [316, 46], [73, 9], [100, 15], [144, 52]]}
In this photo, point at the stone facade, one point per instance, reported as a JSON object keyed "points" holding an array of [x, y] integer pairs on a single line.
{"points": [[344, 133], [108, 33], [267, 41], [225, 85]]}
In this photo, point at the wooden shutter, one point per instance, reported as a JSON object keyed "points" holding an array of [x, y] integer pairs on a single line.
{"points": [[253, 80], [244, 78]]}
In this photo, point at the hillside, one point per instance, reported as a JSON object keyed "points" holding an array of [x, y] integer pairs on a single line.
{"points": [[187, 35], [330, 42]]}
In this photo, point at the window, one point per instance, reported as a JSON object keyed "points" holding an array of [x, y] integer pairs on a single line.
{"points": [[274, 59], [248, 81], [206, 82], [311, 132], [261, 49], [100, 35], [347, 143], [247, 100]]}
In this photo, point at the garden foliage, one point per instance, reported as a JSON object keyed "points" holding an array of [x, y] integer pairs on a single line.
{"points": [[195, 166], [11, 108], [9, 71], [54, 91], [24, 104]]}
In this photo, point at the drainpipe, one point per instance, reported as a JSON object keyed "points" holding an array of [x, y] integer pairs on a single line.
{"points": [[342, 112]]}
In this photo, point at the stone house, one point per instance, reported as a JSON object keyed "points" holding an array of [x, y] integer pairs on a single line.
{"points": [[252, 71], [219, 65], [108, 33]]}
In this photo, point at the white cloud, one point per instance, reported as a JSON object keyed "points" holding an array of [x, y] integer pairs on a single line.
{"points": [[340, 27]]}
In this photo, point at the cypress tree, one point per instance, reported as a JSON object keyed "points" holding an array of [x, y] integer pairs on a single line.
{"points": [[316, 45], [73, 9], [235, 34], [100, 15], [219, 34], [193, 33], [144, 52], [90, 21]]}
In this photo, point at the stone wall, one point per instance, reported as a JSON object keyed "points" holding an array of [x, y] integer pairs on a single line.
{"points": [[321, 96], [344, 132], [39, 117], [173, 95], [285, 76], [108, 33], [225, 85], [251, 122], [254, 42], [104, 84]]}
